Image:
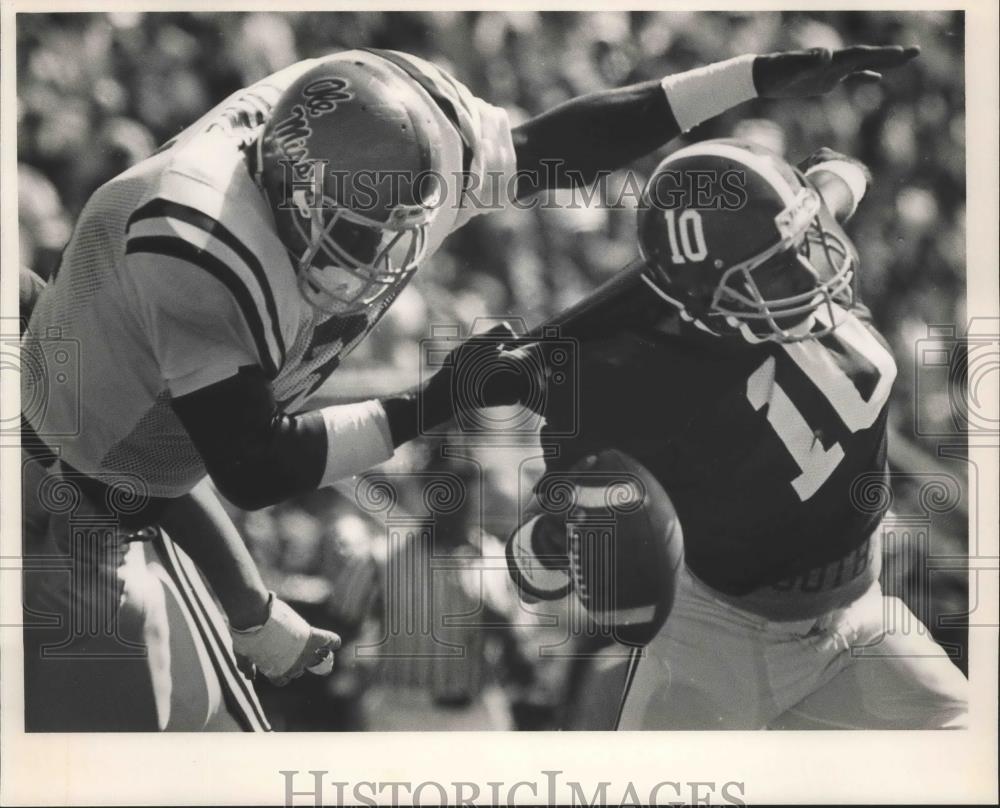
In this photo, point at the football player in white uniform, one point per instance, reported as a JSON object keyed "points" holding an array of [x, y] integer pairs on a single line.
{"points": [[210, 289]]}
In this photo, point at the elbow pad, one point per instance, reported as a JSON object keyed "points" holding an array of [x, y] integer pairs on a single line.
{"points": [[270, 464], [297, 453], [258, 455], [255, 454]]}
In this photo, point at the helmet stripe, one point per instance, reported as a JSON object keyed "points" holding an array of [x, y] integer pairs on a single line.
{"points": [[755, 163], [445, 104]]}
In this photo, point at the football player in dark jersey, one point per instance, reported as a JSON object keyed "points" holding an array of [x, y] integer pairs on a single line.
{"points": [[754, 387]]}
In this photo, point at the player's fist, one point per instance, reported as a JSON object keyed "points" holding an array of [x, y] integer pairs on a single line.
{"points": [[492, 369], [285, 646], [805, 73], [316, 657], [487, 370]]}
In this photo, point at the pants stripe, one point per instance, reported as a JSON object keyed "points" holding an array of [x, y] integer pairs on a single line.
{"points": [[240, 699], [633, 665]]}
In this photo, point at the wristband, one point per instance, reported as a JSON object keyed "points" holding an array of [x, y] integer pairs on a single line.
{"points": [[697, 95], [357, 438], [852, 175], [276, 645]]}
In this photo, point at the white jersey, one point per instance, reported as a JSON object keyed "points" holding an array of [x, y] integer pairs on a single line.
{"points": [[174, 279]]}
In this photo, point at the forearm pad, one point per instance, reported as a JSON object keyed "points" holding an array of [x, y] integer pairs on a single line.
{"points": [[259, 456]]}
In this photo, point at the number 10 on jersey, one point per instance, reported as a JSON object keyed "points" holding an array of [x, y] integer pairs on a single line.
{"points": [[855, 411]]}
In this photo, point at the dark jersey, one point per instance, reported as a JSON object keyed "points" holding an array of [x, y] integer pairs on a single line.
{"points": [[758, 446]]}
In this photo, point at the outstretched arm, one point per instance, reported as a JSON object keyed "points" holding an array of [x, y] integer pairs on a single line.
{"points": [[198, 523], [576, 141], [259, 455]]}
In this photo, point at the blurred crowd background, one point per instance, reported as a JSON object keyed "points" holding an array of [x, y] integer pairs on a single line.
{"points": [[98, 92]]}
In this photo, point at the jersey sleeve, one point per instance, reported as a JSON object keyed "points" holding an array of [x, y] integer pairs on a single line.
{"points": [[204, 310], [488, 160]]}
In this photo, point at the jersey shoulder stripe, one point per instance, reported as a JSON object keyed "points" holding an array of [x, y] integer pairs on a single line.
{"points": [[183, 250], [443, 91], [162, 218]]}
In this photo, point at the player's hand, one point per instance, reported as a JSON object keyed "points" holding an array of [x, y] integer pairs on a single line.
{"points": [[805, 73], [487, 370], [537, 559], [316, 658], [285, 646]]}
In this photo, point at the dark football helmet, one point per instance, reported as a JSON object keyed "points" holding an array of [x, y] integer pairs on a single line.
{"points": [[350, 163], [741, 243]]}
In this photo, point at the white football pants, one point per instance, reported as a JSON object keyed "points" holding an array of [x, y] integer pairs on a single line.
{"points": [[870, 665], [120, 636]]}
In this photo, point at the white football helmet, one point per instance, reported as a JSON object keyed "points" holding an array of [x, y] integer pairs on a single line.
{"points": [[349, 160]]}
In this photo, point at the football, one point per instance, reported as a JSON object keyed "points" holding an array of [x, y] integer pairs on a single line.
{"points": [[625, 546]]}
